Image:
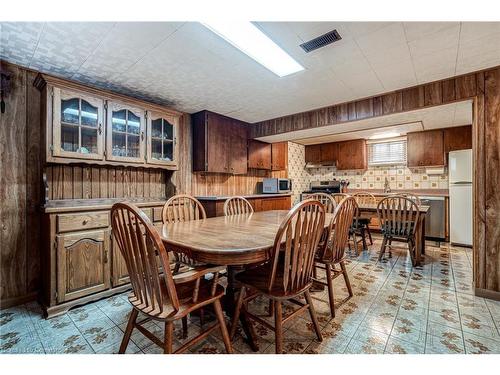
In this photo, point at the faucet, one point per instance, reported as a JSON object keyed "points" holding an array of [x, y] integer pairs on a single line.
{"points": [[387, 187]]}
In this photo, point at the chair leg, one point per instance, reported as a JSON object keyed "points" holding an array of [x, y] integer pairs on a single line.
{"points": [[329, 281], [184, 327], [236, 315], [169, 330], [271, 308], [363, 238], [313, 315], [202, 317], [346, 278], [369, 234], [128, 331], [222, 326], [411, 249], [278, 326], [382, 248], [390, 247]]}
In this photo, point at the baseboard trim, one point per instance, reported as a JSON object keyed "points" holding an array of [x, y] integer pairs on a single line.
{"points": [[15, 301], [485, 293]]}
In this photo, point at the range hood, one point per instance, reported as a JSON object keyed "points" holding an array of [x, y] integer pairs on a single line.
{"points": [[324, 163]]}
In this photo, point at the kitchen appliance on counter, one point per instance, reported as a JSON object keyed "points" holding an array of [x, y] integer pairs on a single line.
{"points": [[328, 187], [276, 185], [460, 188]]}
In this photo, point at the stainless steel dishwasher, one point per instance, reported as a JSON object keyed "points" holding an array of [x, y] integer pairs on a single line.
{"points": [[435, 221]]}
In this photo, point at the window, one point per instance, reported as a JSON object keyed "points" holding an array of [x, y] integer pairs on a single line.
{"points": [[385, 152]]}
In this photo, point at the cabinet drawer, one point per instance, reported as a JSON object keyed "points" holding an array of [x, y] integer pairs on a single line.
{"points": [[81, 221]]}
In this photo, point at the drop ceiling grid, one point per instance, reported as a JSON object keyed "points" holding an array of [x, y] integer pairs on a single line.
{"points": [[190, 68]]}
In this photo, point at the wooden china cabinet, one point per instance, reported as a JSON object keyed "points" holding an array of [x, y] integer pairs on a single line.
{"points": [[83, 129]]}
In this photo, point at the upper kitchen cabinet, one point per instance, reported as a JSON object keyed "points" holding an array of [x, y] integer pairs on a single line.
{"points": [[352, 155], [219, 144], [279, 156], [86, 125], [162, 138], [425, 149], [125, 141], [259, 155], [313, 154], [457, 138], [322, 153], [77, 125]]}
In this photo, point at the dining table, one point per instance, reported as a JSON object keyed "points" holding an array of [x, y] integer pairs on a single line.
{"points": [[234, 241], [371, 209]]}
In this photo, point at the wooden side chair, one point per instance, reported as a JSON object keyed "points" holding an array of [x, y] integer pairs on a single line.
{"points": [[360, 225], [413, 197], [326, 199], [158, 293], [288, 274], [237, 206], [399, 217], [337, 197], [332, 252]]}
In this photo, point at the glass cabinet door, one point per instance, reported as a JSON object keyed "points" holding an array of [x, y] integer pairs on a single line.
{"points": [[125, 139], [162, 130], [77, 127]]}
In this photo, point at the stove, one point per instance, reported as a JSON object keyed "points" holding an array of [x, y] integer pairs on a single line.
{"points": [[328, 187]]}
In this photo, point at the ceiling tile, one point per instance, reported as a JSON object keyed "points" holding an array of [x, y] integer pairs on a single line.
{"points": [[419, 30], [385, 38], [18, 41], [475, 30], [478, 54]]}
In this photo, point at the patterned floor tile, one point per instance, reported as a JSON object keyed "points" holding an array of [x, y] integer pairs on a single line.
{"points": [[397, 346], [480, 345]]}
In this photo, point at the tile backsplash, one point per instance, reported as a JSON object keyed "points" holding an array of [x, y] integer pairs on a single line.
{"points": [[400, 177]]}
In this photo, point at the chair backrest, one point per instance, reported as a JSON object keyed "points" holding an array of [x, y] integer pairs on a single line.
{"points": [[237, 206], [365, 198], [398, 216], [295, 246], [413, 197], [338, 230], [326, 199], [338, 197], [182, 207], [139, 243]]}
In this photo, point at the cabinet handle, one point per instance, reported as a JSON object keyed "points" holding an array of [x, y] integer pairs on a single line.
{"points": [[84, 222], [100, 129], [105, 256], [142, 136]]}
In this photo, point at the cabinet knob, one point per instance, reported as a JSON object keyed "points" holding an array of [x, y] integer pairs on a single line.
{"points": [[85, 222]]}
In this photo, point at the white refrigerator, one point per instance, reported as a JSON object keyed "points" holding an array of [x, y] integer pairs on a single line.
{"points": [[460, 184]]}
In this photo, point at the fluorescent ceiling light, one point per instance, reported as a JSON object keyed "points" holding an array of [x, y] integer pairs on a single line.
{"points": [[249, 39], [385, 135]]}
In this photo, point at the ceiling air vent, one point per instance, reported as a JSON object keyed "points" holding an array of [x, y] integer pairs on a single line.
{"points": [[321, 41]]}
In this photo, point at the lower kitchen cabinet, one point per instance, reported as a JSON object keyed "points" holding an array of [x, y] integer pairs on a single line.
{"points": [[82, 261], [215, 207], [82, 264]]}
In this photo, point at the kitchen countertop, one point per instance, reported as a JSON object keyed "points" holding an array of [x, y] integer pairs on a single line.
{"points": [[419, 192], [250, 196]]}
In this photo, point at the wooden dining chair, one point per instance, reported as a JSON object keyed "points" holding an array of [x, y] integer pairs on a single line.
{"points": [[360, 225], [288, 274], [237, 206], [337, 197], [413, 197], [399, 217], [156, 292], [326, 199], [180, 208], [332, 253]]}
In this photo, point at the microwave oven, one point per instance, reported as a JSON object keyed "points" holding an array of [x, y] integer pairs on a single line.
{"points": [[276, 185]]}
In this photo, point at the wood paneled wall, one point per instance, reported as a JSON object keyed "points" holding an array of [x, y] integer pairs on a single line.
{"points": [[428, 95], [85, 182], [20, 187]]}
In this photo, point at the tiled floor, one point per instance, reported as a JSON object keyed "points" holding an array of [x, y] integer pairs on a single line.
{"points": [[395, 309]]}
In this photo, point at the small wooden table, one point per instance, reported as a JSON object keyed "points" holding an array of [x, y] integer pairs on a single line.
{"points": [[231, 241], [420, 236]]}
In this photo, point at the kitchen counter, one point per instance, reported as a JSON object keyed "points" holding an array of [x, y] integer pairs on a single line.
{"points": [[419, 192], [251, 196]]}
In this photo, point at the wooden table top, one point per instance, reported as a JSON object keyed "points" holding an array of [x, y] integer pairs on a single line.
{"points": [[227, 240]]}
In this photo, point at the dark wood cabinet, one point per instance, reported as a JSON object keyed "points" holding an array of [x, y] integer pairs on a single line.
{"points": [[215, 207], [279, 156], [259, 155], [425, 149], [352, 155], [83, 264], [457, 138], [329, 152], [219, 144], [313, 154], [278, 203]]}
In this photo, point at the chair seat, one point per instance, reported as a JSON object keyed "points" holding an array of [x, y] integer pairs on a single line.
{"points": [[258, 278], [185, 296]]}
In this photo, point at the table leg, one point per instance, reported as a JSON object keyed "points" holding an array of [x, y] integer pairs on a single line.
{"points": [[229, 306]]}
